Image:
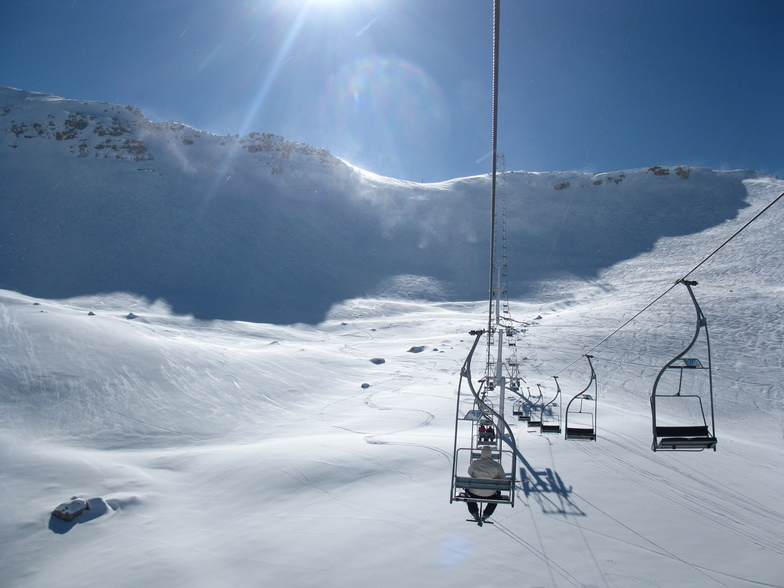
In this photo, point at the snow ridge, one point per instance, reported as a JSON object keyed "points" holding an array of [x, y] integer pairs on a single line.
{"points": [[263, 229]]}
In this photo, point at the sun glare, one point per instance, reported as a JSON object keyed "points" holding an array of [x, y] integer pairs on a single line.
{"points": [[341, 4]]}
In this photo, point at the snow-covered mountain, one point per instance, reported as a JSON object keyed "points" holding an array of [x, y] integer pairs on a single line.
{"points": [[96, 198], [232, 453]]}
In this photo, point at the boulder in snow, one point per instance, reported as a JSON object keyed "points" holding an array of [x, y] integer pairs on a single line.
{"points": [[68, 511]]}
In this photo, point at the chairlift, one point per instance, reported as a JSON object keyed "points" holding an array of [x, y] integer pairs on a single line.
{"points": [[470, 440], [580, 418], [535, 420], [550, 422], [463, 486], [685, 432], [522, 409]]}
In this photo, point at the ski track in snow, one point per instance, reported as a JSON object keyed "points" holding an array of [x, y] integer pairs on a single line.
{"points": [[548, 501], [702, 496]]}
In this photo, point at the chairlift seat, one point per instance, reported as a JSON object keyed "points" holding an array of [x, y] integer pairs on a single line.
{"points": [[469, 483], [690, 437], [551, 428], [580, 433]]}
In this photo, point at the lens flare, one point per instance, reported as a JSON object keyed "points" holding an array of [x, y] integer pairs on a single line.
{"points": [[384, 105]]}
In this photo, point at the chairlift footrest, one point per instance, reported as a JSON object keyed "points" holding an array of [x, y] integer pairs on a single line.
{"points": [[463, 497]]}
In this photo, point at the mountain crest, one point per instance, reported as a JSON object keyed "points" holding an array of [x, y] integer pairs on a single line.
{"points": [[109, 131]]}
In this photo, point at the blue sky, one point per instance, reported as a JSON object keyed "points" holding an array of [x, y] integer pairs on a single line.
{"points": [[403, 87]]}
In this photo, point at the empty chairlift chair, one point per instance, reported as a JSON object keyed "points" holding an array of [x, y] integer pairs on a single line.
{"points": [[522, 408], [580, 420], [679, 419], [536, 409], [551, 422]]}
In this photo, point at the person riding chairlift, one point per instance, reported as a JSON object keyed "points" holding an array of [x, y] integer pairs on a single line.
{"points": [[485, 468]]}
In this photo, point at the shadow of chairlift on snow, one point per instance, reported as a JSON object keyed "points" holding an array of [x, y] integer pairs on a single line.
{"points": [[543, 485], [546, 487]]}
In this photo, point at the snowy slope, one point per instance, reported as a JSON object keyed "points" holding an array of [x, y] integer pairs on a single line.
{"points": [[222, 452]]}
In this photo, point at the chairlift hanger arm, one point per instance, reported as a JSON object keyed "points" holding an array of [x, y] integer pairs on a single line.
{"points": [[557, 393], [581, 431], [701, 323], [465, 371], [587, 386], [591, 380]]}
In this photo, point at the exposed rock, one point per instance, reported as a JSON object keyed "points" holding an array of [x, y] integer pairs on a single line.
{"points": [[68, 511], [659, 171]]}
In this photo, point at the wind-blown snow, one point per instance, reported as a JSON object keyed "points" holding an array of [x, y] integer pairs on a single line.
{"points": [[262, 229], [231, 453]]}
